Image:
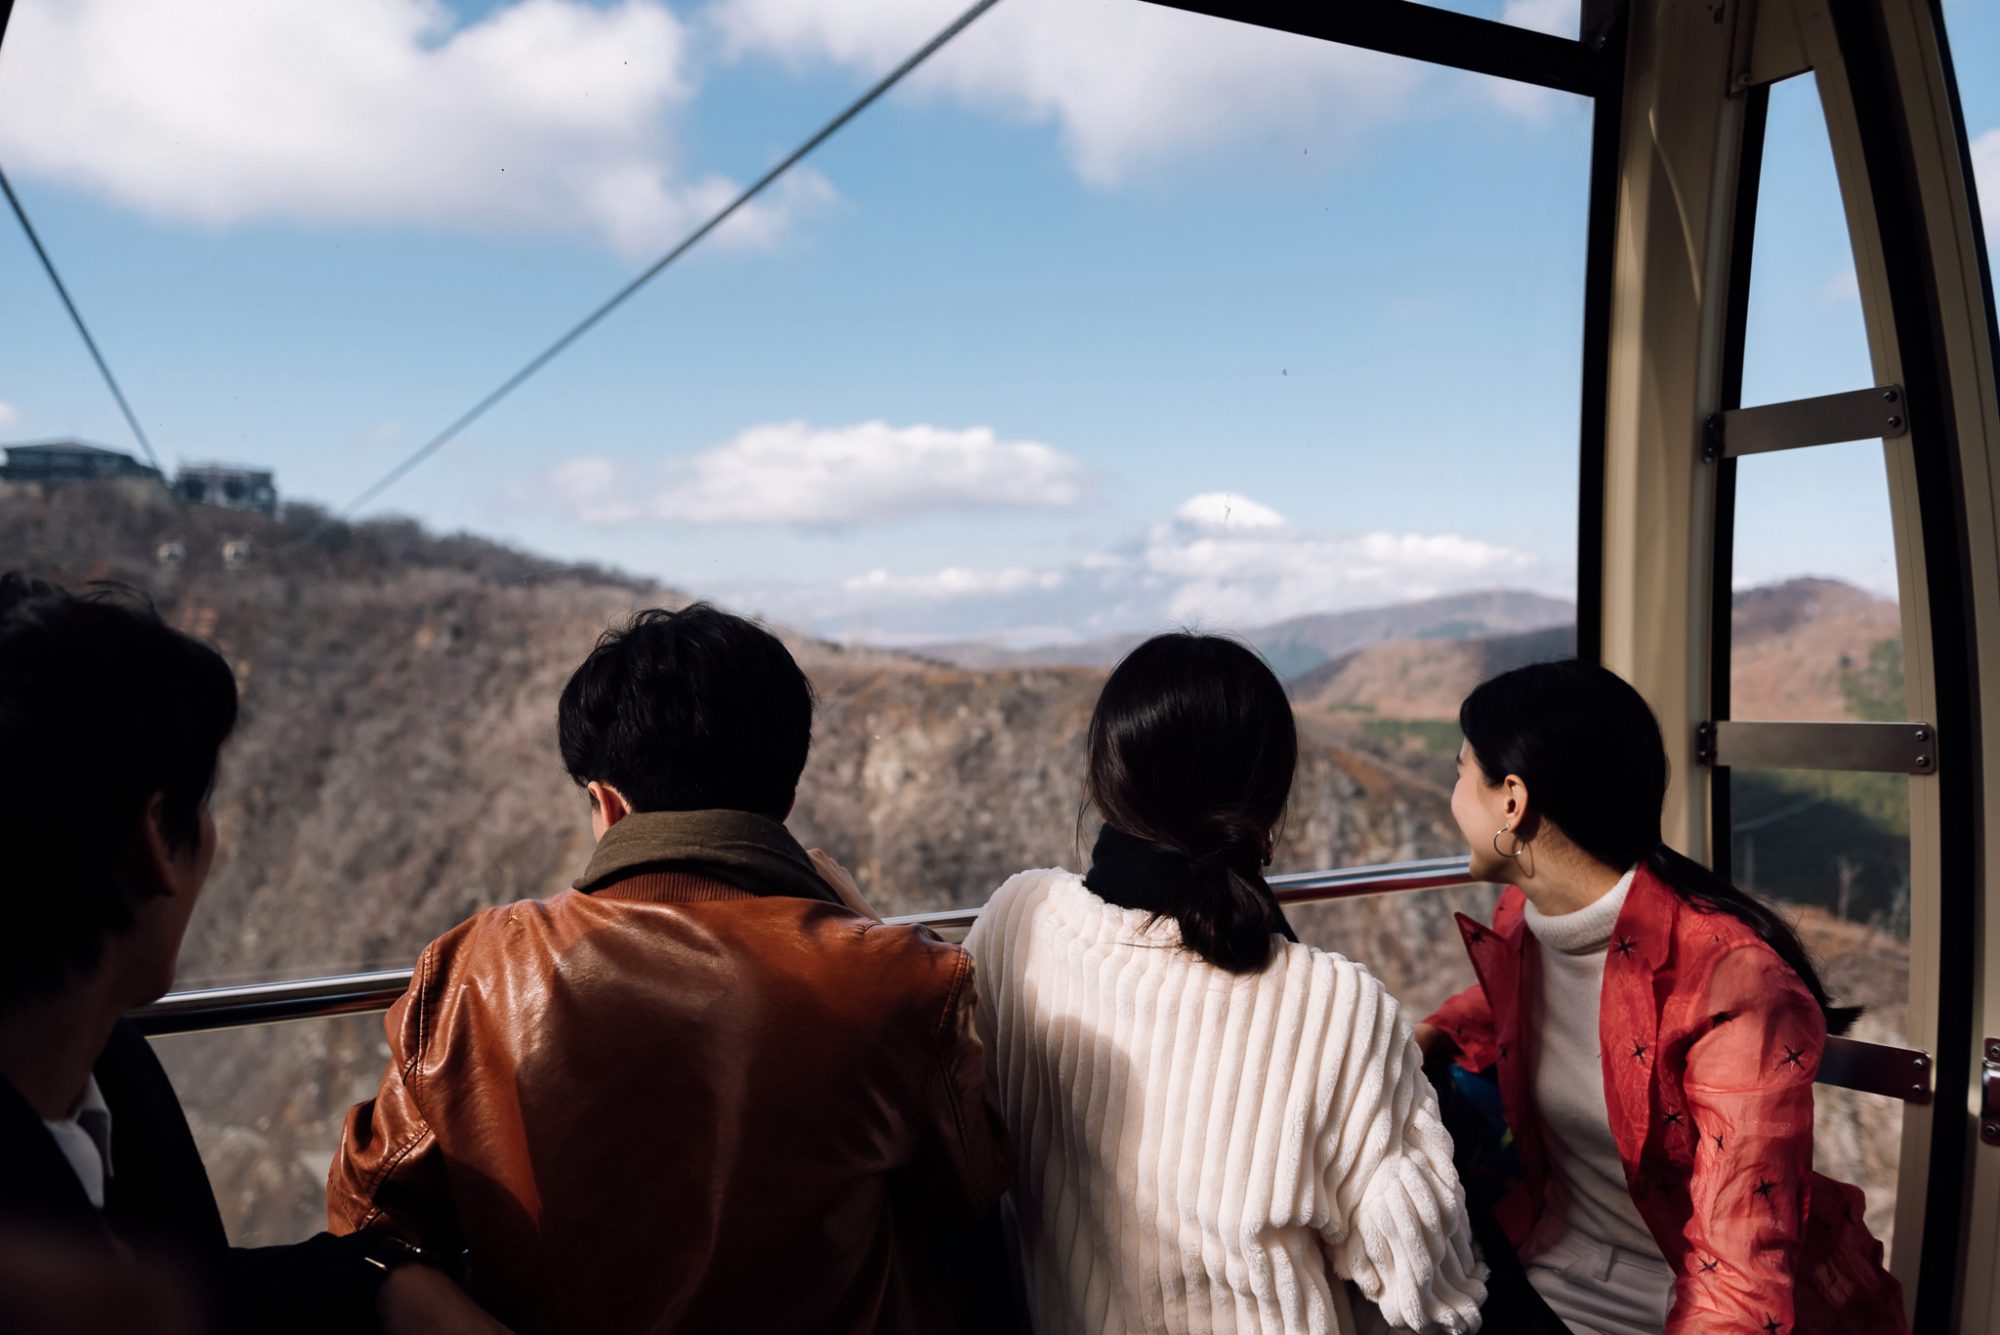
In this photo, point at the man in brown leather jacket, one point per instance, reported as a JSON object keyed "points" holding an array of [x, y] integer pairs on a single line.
{"points": [[698, 1091]]}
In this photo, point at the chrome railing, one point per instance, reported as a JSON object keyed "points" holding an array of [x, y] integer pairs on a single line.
{"points": [[1872, 1068]]}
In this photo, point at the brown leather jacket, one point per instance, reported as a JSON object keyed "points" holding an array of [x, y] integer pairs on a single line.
{"points": [[673, 1104]]}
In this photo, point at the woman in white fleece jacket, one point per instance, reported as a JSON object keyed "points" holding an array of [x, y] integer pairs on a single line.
{"points": [[1212, 1126]]}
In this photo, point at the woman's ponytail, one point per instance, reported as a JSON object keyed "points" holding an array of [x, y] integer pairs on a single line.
{"points": [[1190, 759], [1226, 911]]}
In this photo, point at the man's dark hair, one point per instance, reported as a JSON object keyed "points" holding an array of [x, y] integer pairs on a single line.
{"points": [[102, 705], [692, 710]]}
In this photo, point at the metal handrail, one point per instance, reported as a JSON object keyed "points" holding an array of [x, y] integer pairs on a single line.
{"points": [[1871, 1068], [199, 1010]]}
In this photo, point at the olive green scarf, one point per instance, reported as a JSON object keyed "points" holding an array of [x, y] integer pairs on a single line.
{"points": [[738, 848]]}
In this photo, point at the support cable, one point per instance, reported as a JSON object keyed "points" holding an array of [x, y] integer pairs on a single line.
{"points": [[555, 349], [76, 316]]}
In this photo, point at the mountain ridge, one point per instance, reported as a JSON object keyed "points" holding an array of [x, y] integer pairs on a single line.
{"points": [[1296, 645]]}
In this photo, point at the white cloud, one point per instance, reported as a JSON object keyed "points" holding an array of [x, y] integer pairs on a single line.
{"points": [[1265, 572], [1839, 288], [544, 116], [594, 492], [9, 415], [1127, 85], [791, 474], [1226, 510], [952, 582], [1986, 173], [1558, 18]]}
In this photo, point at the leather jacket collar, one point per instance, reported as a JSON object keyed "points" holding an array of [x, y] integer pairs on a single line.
{"points": [[738, 848]]}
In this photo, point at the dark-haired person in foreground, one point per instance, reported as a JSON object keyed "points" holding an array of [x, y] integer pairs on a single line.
{"points": [[1213, 1126], [1656, 1033], [110, 728], [698, 1092]]}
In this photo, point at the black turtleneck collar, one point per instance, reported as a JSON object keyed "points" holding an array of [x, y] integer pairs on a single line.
{"points": [[1134, 873]]}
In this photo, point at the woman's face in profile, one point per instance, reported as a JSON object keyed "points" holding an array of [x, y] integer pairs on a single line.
{"points": [[1476, 807]]}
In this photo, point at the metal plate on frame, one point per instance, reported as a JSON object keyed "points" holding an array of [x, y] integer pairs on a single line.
{"points": [[1860, 414], [1881, 748], [1876, 1068], [1989, 1093]]}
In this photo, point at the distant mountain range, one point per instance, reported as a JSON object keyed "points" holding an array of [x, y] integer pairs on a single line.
{"points": [[1802, 649], [1300, 645]]}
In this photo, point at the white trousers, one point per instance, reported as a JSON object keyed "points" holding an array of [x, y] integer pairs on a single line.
{"points": [[1599, 1289]]}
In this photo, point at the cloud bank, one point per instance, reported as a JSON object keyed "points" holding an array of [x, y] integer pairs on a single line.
{"points": [[1219, 560], [1986, 176], [1127, 85], [545, 116]]}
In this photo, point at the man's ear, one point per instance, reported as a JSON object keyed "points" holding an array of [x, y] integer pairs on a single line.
{"points": [[607, 805], [156, 869]]}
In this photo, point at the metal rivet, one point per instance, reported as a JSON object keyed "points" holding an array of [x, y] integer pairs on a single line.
{"points": [[1991, 1130], [1888, 396], [1923, 1061], [1743, 79], [1923, 734], [1895, 421], [1993, 1052], [1923, 762]]}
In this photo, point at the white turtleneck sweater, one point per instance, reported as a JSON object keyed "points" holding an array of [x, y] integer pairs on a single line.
{"points": [[1567, 1068], [1195, 1150]]}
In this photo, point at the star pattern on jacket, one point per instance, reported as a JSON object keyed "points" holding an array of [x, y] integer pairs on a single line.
{"points": [[1757, 1015]]}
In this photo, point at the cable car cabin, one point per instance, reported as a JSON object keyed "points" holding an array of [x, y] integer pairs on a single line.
{"points": [[1638, 190]]}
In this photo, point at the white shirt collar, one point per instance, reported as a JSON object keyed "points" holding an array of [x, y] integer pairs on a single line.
{"points": [[84, 1137]]}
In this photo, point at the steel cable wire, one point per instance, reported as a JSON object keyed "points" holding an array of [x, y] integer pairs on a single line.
{"points": [[76, 317], [617, 299]]}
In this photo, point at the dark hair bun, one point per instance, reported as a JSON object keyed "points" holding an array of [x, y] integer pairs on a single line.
{"points": [[1192, 747]]}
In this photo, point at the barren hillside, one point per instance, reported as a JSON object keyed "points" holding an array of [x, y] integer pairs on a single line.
{"points": [[395, 770]]}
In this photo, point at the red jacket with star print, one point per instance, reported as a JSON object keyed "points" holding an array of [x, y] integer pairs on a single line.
{"points": [[1710, 1047]]}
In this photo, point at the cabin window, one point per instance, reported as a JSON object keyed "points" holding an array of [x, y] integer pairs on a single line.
{"points": [[266, 1105], [1816, 633], [1114, 318]]}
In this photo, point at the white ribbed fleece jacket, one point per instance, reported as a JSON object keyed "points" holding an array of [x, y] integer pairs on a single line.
{"points": [[1195, 1150]]}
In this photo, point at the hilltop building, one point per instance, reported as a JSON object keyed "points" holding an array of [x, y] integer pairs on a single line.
{"points": [[229, 485], [56, 461]]}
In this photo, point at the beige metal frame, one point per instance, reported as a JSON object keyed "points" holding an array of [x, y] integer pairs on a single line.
{"points": [[1684, 119]]}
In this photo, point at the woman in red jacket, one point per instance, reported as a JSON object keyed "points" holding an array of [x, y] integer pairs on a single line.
{"points": [[1656, 1033]]}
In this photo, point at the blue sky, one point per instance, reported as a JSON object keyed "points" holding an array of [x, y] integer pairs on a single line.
{"points": [[1115, 316]]}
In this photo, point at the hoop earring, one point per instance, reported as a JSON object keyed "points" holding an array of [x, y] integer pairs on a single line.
{"points": [[1520, 844]]}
